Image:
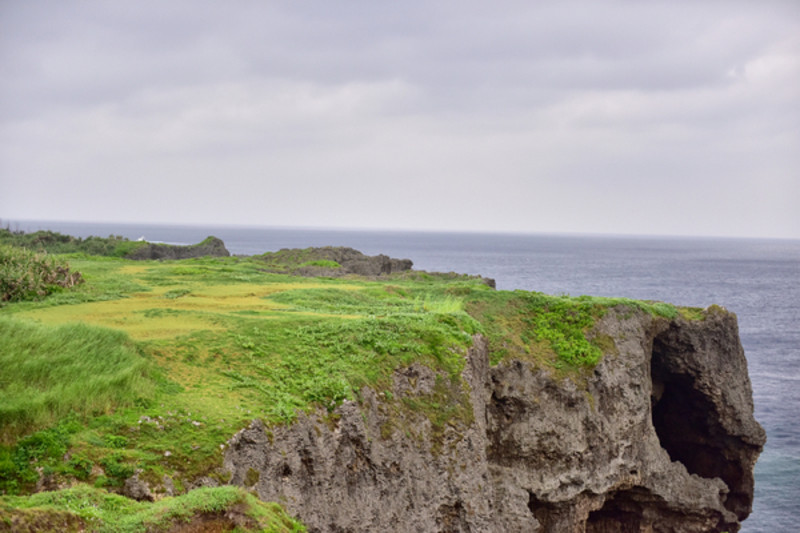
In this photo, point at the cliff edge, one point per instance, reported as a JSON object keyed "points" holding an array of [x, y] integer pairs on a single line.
{"points": [[658, 436]]}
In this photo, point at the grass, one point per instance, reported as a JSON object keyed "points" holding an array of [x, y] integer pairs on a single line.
{"points": [[83, 508], [549, 330], [51, 371], [215, 343], [151, 366]]}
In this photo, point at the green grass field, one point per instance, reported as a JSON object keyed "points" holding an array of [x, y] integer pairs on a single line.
{"points": [[151, 366]]}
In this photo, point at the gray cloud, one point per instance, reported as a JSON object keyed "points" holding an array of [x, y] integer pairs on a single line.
{"points": [[657, 117]]}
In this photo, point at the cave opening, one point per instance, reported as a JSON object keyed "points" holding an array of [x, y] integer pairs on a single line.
{"points": [[637, 509], [537, 508], [686, 420], [545, 513], [621, 513]]}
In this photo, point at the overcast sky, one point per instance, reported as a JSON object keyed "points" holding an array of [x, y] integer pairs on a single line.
{"points": [[658, 117]]}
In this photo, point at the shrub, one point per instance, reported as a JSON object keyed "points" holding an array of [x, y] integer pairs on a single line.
{"points": [[27, 275], [56, 243]]}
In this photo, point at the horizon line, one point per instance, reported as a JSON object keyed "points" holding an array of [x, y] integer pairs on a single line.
{"points": [[6, 223]]}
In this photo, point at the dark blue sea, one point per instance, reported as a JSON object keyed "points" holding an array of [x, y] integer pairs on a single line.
{"points": [[759, 280]]}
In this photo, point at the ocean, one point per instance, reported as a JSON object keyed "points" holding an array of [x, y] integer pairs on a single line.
{"points": [[759, 280]]}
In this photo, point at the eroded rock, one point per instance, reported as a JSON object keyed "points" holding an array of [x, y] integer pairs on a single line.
{"points": [[660, 436], [137, 489]]}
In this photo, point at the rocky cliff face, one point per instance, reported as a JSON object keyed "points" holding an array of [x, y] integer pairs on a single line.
{"points": [[660, 436]]}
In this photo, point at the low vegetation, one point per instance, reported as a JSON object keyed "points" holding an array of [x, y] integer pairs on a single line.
{"points": [[57, 243], [82, 508], [27, 275], [550, 330], [52, 371], [150, 366]]}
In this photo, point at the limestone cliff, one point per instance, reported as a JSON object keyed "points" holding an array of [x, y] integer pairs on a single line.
{"points": [[659, 436]]}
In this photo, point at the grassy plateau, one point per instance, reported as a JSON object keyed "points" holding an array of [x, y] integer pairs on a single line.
{"points": [[149, 367]]}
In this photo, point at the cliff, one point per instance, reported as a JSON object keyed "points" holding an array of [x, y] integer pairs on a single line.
{"points": [[659, 436], [361, 395]]}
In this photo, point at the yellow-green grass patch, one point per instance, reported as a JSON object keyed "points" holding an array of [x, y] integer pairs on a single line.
{"points": [[154, 315]]}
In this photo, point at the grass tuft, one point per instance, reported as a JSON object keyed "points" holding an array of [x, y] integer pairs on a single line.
{"points": [[51, 371]]}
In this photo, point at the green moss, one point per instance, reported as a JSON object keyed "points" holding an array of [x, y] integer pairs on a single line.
{"points": [[447, 408], [447, 404], [692, 313], [606, 344], [591, 400], [715, 309], [252, 477]]}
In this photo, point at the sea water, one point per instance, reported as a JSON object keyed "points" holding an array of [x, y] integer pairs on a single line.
{"points": [[759, 280]]}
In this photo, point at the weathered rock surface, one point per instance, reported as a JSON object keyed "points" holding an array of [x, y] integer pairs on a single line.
{"points": [[660, 436], [137, 489], [212, 246]]}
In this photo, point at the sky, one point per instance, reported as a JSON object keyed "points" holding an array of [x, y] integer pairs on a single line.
{"points": [[626, 117]]}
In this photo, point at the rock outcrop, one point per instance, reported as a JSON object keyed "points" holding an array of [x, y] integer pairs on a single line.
{"points": [[333, 261], [339, 261], [659, 436], [211, 246]]}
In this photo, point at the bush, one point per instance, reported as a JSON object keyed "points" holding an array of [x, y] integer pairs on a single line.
{"points": [[56, 243], [27, 275]]}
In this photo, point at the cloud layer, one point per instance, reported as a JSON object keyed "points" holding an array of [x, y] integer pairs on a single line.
{"points": [[579, 116]]}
